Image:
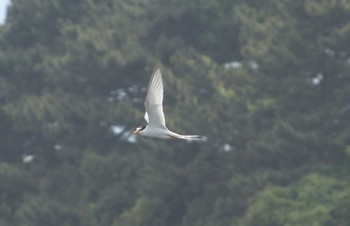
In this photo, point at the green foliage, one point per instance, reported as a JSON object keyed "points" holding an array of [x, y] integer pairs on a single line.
{"points": [[209, 26], [14, 185], [315, 200], [43, 211], [266, 82]]}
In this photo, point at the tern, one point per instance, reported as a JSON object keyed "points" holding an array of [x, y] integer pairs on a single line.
{"points": [[154, 115]]}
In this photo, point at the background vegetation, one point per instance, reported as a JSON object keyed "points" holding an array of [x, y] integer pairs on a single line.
{"points": [[267, 82]]}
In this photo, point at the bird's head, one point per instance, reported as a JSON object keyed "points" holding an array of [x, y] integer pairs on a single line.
{"points": [[139, 129]]}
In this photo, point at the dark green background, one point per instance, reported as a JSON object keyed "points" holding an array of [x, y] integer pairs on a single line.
{"points": [[267, 82]]}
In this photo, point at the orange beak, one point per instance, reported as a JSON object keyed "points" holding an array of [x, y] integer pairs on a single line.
{"points": [[136, 132]]}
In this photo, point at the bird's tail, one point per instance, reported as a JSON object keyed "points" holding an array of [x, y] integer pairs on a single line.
{"points": [[190, 137], [186, 137]]}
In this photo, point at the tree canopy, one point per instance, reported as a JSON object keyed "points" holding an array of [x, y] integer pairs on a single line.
{"points": [[267, 83]]}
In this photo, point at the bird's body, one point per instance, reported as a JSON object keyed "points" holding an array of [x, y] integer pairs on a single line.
{"points": [[154, 113], [155, 132], [165, 133]]}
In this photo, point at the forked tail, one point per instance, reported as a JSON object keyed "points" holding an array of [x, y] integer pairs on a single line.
{"points": [[192, 137], [189, 137]]}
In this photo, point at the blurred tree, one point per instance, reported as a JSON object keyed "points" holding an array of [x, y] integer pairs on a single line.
{"points": [[315, 200], [267, 84], [15, 185], [302, 79], [209, 26]]}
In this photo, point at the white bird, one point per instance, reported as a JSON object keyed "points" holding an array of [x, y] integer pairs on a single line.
{"points": [[154, 115]]}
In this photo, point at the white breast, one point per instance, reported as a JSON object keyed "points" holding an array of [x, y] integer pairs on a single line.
{"points": [[155, 132]]}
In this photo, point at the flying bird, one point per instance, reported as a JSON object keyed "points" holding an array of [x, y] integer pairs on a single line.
{"points": [[154, 115]]}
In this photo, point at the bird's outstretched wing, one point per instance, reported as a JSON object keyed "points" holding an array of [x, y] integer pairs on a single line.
{"points": [[154, 101], [146, 117]]}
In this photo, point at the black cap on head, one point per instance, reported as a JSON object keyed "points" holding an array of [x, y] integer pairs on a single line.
{"points": [[141, 128]]}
